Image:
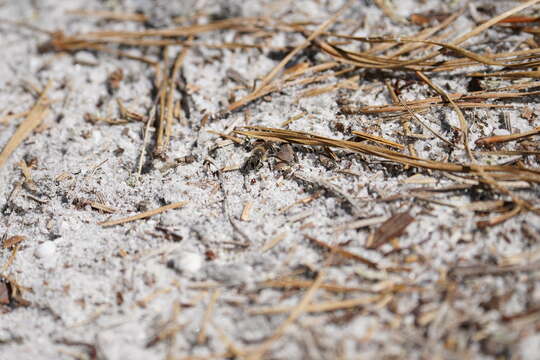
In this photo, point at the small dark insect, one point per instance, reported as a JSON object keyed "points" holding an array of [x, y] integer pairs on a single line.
{"points": [[119, 298], [480, 192], [456, 134], [306, 271], [210, 255], [188, 159], [258, 155], [327, 162], [475, 85]]}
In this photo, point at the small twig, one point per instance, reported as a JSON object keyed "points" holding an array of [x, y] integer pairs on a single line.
{"points": [[143, 215], [344, 253], [295, 314], [480, 270], [505, 138], [207, 317]]}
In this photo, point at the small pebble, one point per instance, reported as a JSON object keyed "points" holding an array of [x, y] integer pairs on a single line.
{"points": [[189, 262], [86, 58], [499, 132], [45, 250]]}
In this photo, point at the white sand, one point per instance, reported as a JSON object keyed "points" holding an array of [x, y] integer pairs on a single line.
{"points": [[112, 290]]}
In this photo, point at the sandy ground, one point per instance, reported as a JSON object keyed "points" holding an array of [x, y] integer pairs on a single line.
{"points": [[193, 281]]}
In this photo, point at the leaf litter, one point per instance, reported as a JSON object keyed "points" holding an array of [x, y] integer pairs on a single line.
{"points": [[498, 192]]}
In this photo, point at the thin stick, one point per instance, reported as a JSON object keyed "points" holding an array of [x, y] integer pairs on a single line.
{"points": [[378, 139], [207, 317], [144, 215], [493, 21], [481, 270], [162, 102], [172, 83], [295, 283], [505, 138], [341, 252], [274, 241], [110, 15], [322, 307], [295, 314], [149, 123]]}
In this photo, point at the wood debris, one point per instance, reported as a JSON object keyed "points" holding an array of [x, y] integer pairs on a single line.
{"points": [[273, 242], [341, 252], [143, 215], [492, 179], [246, 211], [12, 241], [33, 119]]}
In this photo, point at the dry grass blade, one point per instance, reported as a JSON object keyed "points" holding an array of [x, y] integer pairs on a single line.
{"points": [[295, 313], [232, 23], [366, 60], [325, 25], [109, 15], [34, 118], [294, 283], [143, 215], [378, 139], [509, 74], [481, 28], [423, 106], [201, 338], [272, 134], [341, 252], [519, 19], [322, 307], [501, 218], [167, 103], [482, 270], [505, 138], [149, 123], [391, 62], [409, 47], [273, 242], [163, 103], [500, 93], [289, 80]]}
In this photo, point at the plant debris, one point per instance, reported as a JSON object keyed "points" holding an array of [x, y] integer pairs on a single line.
{"points": [[365, 168], [390, 229]]}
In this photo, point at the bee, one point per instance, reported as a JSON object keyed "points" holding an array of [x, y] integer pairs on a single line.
{"points": [[261, 151], [258, 155]]}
